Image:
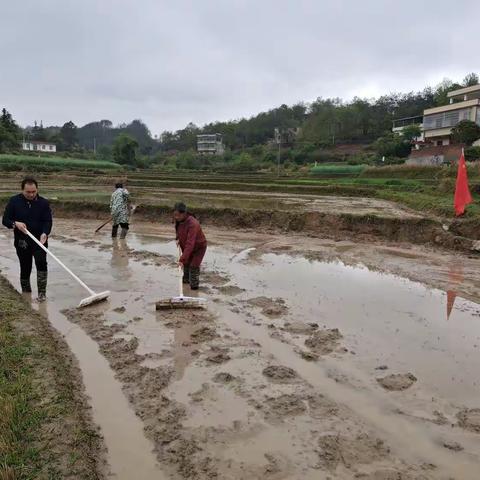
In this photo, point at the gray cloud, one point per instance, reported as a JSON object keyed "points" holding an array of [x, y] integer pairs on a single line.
{"points": [[169, 63]]}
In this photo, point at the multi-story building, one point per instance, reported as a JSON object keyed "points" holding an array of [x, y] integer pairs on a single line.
{"points": [[210, 144], [439, 121]]}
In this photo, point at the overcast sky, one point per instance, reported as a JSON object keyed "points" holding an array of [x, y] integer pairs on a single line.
{"points": [[172, 62]]}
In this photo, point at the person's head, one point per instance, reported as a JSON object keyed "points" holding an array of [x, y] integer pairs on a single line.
{"points": [[180, 212], [119, 185], [29, 188]]}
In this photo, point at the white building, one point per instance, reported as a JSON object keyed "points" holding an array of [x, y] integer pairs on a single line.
{"points": [[46, 147], [210, 144], [401, 123], [438, 122]]}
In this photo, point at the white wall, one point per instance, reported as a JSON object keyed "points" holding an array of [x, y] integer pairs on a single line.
{"points": [[40, 147]]}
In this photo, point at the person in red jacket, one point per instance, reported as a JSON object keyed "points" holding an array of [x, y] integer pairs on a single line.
{"points": [[192, 242]]}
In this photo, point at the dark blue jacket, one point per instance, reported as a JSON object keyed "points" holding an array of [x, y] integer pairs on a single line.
{"points": [[36, 214]]}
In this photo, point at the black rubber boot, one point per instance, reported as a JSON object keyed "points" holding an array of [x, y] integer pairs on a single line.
{"points": [[194, 278], [186, 274], [123, 233], [114, 231], [42, 285], [25, 284]]}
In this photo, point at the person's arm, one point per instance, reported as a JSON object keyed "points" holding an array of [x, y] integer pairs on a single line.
{"points": [[189, 244], [47, 220], [8, 219]]}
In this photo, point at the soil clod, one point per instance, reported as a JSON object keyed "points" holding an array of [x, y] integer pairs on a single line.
{"points": [[397, 382], [469, 419], [280, 373], [324, 341]]}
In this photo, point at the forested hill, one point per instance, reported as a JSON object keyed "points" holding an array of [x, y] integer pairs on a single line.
{"points": [[322, 122]]}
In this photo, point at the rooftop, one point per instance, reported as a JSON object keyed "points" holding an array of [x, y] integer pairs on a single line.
{"points": [[453, 106], [38, 142], [473, 91]]}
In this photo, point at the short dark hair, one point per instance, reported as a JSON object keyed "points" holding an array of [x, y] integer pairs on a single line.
{"points": [[29, 181], [119, 185], [180, 207]]}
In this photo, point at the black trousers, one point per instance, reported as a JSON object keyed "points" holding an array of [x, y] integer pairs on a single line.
{"points": [[115, 228], [26, 253]]}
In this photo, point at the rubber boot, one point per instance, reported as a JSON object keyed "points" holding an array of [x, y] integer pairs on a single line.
{"points": [[25, 284], [123, 233], [114, 231], [186, 274], [194, 278], [42, 285]]}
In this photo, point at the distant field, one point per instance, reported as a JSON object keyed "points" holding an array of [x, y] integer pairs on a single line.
{"points": [[426, 189], [13, 163]]}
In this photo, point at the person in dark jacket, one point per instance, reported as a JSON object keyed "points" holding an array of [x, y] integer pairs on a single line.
{"points": [[192, 242], [29, 211]]}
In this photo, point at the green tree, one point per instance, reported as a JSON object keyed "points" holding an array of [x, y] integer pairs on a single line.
{"points": [[37, 133], [470, 80], [392, 145], [442, 90], [140, 132], [10, 133], [466, 132], [244, 162], [125, 150], [68, 135], [105, 152], [410, 132]]}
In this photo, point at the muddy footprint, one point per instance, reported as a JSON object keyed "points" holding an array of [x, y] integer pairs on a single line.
{"points": [[397, 382]]}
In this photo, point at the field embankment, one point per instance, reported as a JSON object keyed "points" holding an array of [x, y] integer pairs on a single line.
{"points": [[45, 426]]}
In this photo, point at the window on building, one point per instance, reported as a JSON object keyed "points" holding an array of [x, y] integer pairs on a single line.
{"points": [[446, 119], [43, 147], [51, 147]]}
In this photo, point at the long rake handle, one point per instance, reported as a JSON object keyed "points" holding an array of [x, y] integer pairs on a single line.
{"points": [[46, 250], [180, 276], [102, 225]]}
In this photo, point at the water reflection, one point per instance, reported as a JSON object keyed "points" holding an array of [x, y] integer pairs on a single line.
{"points": [[119, 261], [455, 279]]}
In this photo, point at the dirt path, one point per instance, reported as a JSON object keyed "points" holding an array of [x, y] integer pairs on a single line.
{"points": [[315, 358]]}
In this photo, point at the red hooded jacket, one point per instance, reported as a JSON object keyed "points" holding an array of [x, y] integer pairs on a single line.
{"points": [[191, 238]]}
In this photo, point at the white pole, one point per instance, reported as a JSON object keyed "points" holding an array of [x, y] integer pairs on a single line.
{"points": [[180, 274], [89, 290]]}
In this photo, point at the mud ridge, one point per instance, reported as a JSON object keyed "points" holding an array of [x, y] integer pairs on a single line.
{"points": [[70, 443], [144, 388], [326, 225]]}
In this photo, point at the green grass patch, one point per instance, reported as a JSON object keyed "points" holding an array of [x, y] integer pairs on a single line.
{"points": [[15, 163], [337, 169], [42, 431], [20, 420]]}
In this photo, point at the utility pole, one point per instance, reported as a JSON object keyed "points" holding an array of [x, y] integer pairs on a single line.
{"points": [[278, 159], [278, 138], [94, 146]]}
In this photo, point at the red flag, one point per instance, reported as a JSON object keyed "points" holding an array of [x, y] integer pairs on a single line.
{"points": [[462, 192]]}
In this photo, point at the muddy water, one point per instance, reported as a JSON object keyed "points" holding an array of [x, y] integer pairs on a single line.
{"points": [[129, 452], [249, 426]]}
